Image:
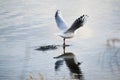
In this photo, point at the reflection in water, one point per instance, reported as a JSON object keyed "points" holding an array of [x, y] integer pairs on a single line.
{"points": [[114, 48], [58, 64], [111, 55], [112, 42], [71, 62]]}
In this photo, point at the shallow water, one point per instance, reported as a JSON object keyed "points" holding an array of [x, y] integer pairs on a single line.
{"points": [[28, 24]]}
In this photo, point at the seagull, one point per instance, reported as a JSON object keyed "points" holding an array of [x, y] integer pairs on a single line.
{"points": [[68, 32]]}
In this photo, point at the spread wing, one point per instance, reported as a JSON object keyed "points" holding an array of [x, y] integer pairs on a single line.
{"points": [[60, 21], [58, 64], [77, 23]]}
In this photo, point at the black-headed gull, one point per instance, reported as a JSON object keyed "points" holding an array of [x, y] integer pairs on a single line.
{"points": [[68, 32]]}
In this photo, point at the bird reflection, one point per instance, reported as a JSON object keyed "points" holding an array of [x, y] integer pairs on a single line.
{"points": [[58, 64], [71, 62]]}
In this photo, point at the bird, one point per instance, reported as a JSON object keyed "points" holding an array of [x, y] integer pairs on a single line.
{"points": [[68, 32]]}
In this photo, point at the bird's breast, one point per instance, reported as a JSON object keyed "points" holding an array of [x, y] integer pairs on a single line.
{"points": [[66, 35]]}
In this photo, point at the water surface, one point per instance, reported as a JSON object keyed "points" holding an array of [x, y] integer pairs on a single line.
{"points": [[28, 24]]}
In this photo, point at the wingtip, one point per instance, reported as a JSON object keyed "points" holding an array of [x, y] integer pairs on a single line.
{"points": [[85, 15], [56, 13], [57, 10]]}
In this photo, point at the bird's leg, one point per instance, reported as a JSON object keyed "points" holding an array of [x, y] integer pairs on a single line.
{"points": [[63, 45], [64, 42]]}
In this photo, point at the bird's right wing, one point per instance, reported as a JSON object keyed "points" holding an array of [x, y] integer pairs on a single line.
{"points": [[60, 21], [79, 22]]}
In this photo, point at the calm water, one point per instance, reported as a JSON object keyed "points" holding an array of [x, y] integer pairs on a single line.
{"points": [[28, 24]]}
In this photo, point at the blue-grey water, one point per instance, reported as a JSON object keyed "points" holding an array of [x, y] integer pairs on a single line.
{"points": [[28, 24]]}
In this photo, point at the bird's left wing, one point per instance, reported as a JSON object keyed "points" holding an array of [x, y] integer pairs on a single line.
{"points": [[60, 21], [77, 23]]}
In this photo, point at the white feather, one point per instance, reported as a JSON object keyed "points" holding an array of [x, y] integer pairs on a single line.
{"points": [[68, 32], [62, 25]]}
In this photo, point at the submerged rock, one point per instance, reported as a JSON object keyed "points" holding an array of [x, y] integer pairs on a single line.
{"points": [[47, 47]]}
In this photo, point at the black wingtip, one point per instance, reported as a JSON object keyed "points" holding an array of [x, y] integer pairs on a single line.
{"points": [[56, 13], [85, 15], [57, 10]]}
